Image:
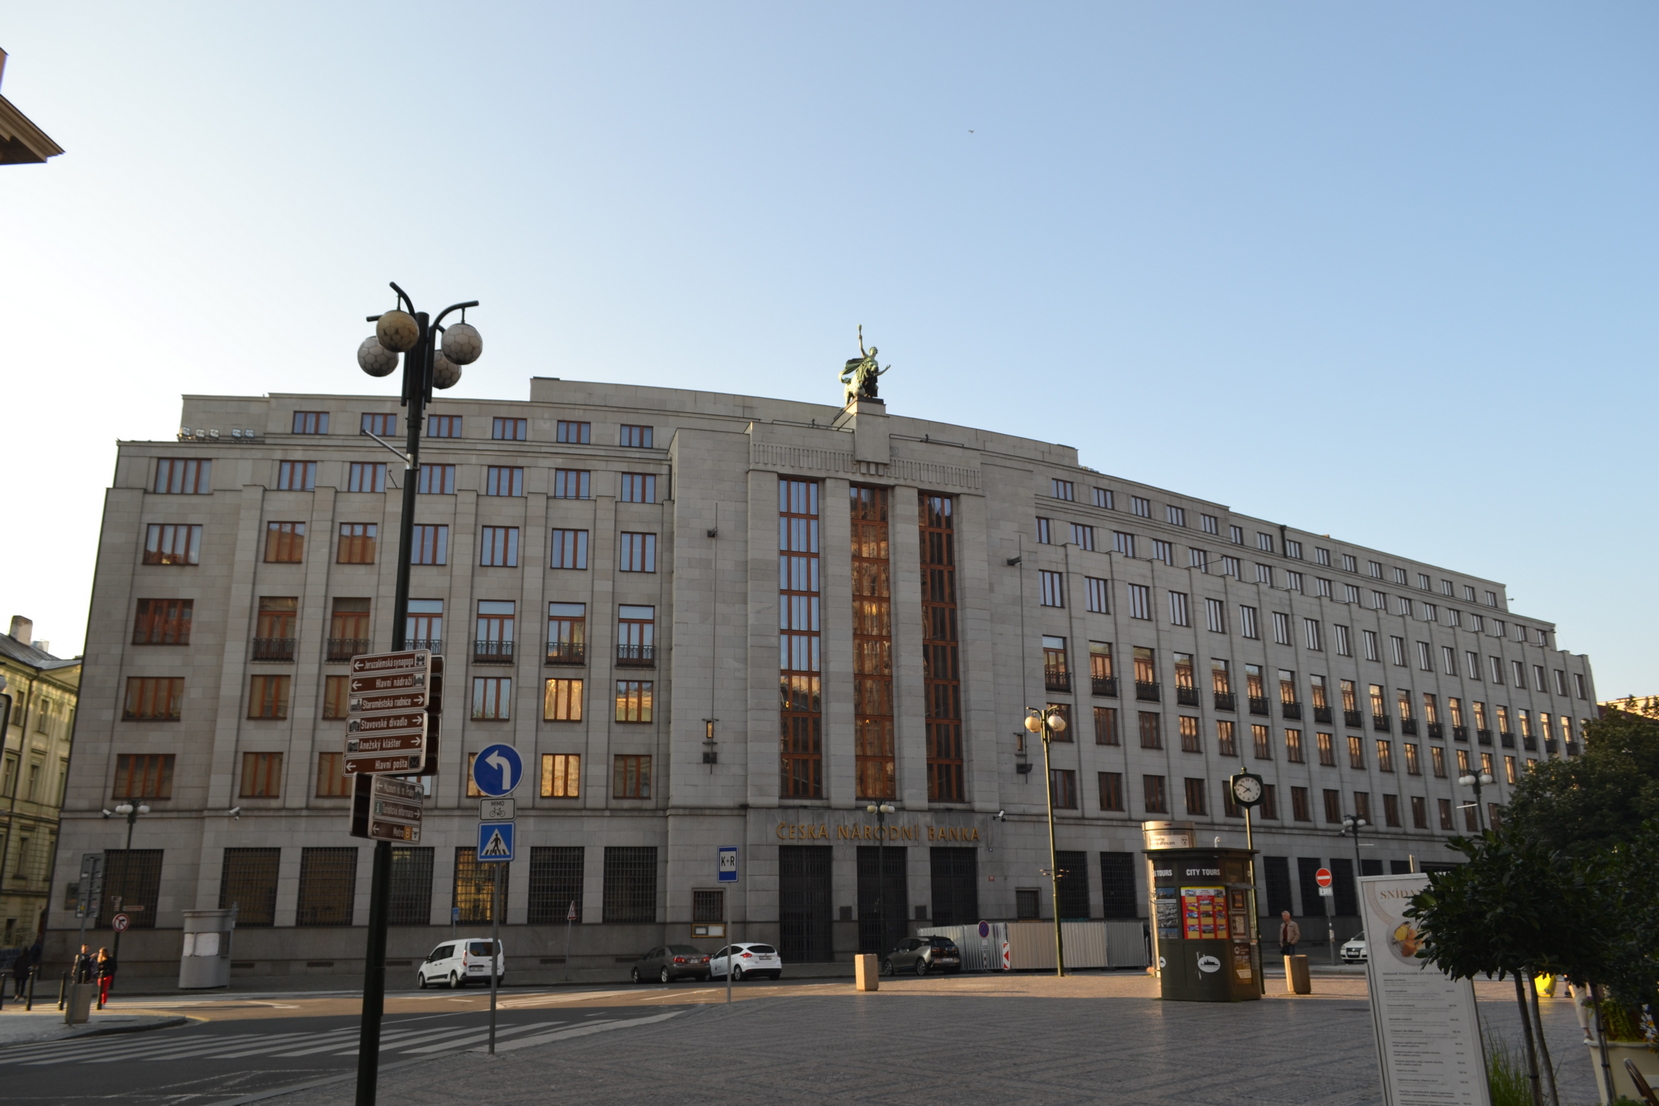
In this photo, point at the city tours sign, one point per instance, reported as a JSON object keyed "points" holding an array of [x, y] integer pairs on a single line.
{"points": [[861, 831]]}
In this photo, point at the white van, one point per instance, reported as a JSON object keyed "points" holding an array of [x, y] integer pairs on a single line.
{"points": [[459, 961]]}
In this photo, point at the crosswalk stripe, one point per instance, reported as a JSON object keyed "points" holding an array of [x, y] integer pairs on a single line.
{"points": [[583, 1031], [80, 1049], [477, 1038]]}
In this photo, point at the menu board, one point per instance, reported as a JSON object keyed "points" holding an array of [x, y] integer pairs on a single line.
{"points": [[1428, 1038], [1204, 913]]}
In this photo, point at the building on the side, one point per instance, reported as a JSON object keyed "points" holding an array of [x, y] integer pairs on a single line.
{"points": [[21, 142], [33, 772], [712, 619]]}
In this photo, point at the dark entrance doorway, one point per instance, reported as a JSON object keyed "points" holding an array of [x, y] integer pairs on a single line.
{"points": [[871, 890], [955, 886], [804, 910]]}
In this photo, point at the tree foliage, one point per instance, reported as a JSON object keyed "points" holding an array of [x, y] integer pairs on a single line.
{"points": [[1581, 805]]}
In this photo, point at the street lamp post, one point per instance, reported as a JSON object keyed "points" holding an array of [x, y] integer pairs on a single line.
{"points": [[1477, 780], [881, 811], [426, 366], [1351, 826], [1046, 723], [131, 813]]}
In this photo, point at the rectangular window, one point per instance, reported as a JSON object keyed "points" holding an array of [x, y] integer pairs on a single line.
{"points": [[1215, 615], [1235, 534], [1195, 796], [284, 542], [1299, 809], [248, 882], [1518, 673], [1044, 531], [1106, 726], [561, 776], [572, 483], [1140, 602], [1208, 524], [143, 776], [1179, 612], [1123, 543], [1247, 623], [1264, 575], [1163, 551], [638, 487], [1293, 549], [571, 433], [1111, 790], [492, 698], [261, 776], [1281, 628], [383, 425], [1293, 746], [1333, 806], [1293, 581], [163, 622], [941, 669], [800, 664], [1397, 650], [436, 480], [1064, 783], [1152, 791], [1199, 559], [1385, 755], [310, 422], [443, 426], [630, 884], [1103, 498], [1356, 752], [1264, 542], [1472, 667], [1177, 515], [1190, 741], [1151, 732], [1230, 567], [1391, 810], [1140, 506], [1097, 594], [328, 886], [1052, 588], [154, 698], [635, 437], [1372, 651], [630, 777], [569, 549], [173, 544], [366, 476], [1327, 749], [1061, 489], [516, 430], [336, 696], [332, 781], [431, 545], [637, 553], [1224, 738], [556, 873], [633, 700], [1491, 599], [874, 765], [1262, 738], [357, 541], [503, 480], [498, 547], [183, 476], [562, 700], [1560, 680], [1579, 685], [1311, 635], [1082, 536], [268, 696], [296, 476]]}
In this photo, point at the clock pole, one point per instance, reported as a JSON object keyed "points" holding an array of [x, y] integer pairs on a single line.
{"points": [[1252, 785]]}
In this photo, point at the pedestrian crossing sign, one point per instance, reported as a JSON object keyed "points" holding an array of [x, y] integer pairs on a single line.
{"points": [[495, 842]]}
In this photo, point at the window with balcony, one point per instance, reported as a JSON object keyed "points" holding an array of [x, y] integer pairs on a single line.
{"points": [[567, 633], [493, 641], [1221, 683], [636, 636], [424, 628], [1255, 689], [1146, 675], [348, 629], [1056, 677], [1102, 680], [274, 633], [1186, 685]]}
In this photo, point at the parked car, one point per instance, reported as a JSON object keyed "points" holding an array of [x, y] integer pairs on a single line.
{"points": [[747, 959], [1355, 950], [670, 962], [921, 955], [459, 962]]}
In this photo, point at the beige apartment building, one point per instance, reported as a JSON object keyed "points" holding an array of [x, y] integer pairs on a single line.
{"points": [[42, 690], [710, 619]]}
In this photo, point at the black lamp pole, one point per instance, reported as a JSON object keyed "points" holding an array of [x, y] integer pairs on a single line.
{"points": [[418, 361]]}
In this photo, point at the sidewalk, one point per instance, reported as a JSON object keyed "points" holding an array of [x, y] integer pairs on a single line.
{"points": [[19, 1027]]}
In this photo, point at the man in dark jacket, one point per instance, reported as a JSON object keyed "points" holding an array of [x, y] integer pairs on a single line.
{"points": [[1289, 934]]}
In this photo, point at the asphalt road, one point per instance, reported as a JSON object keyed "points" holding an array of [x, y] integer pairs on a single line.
{"points": [[244, 1045]]}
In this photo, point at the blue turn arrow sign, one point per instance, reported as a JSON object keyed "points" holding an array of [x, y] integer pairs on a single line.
{"points": [[497, 769]]}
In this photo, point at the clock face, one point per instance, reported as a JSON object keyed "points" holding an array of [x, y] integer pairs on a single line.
{"points": [[1247, 789]]}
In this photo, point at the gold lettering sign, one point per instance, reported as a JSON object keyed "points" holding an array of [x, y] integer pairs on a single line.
{"points": [[803, 831]]}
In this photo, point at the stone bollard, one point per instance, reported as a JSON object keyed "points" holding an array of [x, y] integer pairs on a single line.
{"points": [[1297, 981], [79, 1010], [867, 971]]}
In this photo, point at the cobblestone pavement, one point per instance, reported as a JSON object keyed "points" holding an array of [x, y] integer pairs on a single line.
{"points": [[1030, 1040]]}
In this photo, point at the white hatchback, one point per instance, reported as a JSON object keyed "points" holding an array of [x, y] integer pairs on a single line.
{"points": [[746, 959], [458, 962]]}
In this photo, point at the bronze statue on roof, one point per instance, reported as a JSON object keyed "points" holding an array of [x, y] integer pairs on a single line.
{"points": [[859, 375]]}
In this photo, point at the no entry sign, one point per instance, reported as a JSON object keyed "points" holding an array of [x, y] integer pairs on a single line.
{"points": [[1322, 877]]}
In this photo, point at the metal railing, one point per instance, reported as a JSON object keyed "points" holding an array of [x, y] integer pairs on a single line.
{"points": [[273, 648], [1483, 736], [345, 648], [433, 645], [1322, 715], [567, 652], [1529, 743], [1056, 678], [492, 652], [1506, 739], [636, 656], [1104, 685], [1460, 733], [1259, 705], [1379, 722], [1437, 731], [1408, 727], [1186, 696], [1290, 709], [1225, 700], [1352, 718], [1148, 691]]}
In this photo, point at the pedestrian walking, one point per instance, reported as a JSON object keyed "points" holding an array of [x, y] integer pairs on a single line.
{"points": [[20, 971], [1289, 934], [106, 975], [81, 970]]}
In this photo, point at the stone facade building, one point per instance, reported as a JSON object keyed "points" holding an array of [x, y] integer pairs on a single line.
{"points": [[711, 619]]}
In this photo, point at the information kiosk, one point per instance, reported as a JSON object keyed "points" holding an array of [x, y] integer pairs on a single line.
{"points": [[1203, 931]]}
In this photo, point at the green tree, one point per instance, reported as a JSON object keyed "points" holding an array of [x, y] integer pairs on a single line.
{"points": [[1580, 805]]}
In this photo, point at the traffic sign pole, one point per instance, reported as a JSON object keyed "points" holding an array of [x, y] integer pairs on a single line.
{"points": [[726, 872], [1323, 879]]}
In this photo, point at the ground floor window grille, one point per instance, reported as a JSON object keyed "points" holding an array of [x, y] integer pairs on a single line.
{"points": [[328, 887], [248, 882], [411, 899], [555, 883], [630, 884]]}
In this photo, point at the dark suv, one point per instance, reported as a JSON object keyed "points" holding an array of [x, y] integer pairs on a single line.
{"points": [[670, 962], [921, 955]]}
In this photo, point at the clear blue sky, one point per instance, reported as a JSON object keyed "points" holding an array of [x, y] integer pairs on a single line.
{"points": [[1385, 271]]}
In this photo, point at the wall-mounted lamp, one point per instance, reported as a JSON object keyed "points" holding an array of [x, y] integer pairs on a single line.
{"points": [[711, 754]]}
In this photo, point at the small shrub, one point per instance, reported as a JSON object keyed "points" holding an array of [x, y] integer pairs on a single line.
{"points": [[1506, 1075]]}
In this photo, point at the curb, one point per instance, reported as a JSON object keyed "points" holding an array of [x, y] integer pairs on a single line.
{"points": [[164, 1023]]}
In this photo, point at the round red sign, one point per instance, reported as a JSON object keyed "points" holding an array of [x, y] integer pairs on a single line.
{"points": [[118, 923], [1322, 877]]}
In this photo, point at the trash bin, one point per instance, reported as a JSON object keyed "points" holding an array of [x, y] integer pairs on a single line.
{"points": [[206, 959], [1297, 981], [867, 972], [78, 1010]]}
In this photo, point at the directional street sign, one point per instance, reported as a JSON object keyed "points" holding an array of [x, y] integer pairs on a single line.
{"points": [[1322, 877], [411, 699], [393, 707], [497, 810], [728, 864], [411, 741], [497, 769], [495, 841], [396, 764], [384, 809], [405, 660], [396, 681]]}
